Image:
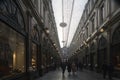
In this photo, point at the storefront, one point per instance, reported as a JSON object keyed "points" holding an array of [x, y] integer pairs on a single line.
{"points": [[12, 51], [43, 55], [115, 49], [12, 41], [34, 53], [34, 56], [86, 57], [102, 52], [92, 56], [34, 44]]}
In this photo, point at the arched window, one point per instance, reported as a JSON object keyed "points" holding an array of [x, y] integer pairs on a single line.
{"points": [[115, 53], [92, 47], [116, 36], [102, 43], [34, 33]]}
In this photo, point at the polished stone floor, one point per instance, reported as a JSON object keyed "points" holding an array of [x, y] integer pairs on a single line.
{"points": [[80, 75]]}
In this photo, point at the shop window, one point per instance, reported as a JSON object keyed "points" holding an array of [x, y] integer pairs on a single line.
{"points": [[118, 60], [116, 36], [116, 48], [12, 51], [34, 56]]}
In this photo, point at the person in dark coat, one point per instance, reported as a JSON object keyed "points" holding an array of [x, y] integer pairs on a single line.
{"points": [[63, 67], [80, 66], [110, 71], [74, 68], [104, 69], [69, 67]]}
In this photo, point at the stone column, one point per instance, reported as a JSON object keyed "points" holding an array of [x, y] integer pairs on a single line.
{"points": [[108, 45]]}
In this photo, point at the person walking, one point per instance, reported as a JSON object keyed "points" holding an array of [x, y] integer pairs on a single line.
{"points": [[80, 66], [69, 67], [110, 71], [74, 68], [104, 70], [63, 67]]}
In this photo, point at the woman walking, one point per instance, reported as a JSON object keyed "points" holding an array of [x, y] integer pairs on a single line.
{"points": [[74, 68]]}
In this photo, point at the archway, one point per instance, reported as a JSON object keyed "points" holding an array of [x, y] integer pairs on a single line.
{"points": [[102, 51], [115, 48], [92, 56]]}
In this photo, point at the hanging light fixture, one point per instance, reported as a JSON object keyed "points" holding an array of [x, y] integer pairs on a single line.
{"points": [[63, 24], [101, 30], [47, 30]]}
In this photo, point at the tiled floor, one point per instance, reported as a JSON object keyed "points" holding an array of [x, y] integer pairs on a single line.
{"points": [[80, 75]]}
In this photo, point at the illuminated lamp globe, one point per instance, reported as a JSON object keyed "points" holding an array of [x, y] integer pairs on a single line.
{"points": [[101, 30]]}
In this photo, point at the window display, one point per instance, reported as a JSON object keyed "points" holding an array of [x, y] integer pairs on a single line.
{"points": [[34, 55], [118, 60], [12, 51], [116, 48]]}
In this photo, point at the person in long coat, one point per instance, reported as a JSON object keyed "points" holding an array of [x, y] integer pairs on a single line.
{"points": [[63, 67], [74, 68], [110, 71], [69, 67], [104, 70]]}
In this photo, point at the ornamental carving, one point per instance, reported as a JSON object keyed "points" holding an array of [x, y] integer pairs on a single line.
{"points": [[10, 11]]}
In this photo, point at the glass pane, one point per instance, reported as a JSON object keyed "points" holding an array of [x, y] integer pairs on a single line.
{"points": [[12, 51], [34, 56]]}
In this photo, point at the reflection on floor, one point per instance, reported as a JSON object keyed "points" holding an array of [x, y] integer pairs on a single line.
{"points": [[80, 75]]}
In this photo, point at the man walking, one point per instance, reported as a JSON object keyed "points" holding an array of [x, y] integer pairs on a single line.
{"points": [[63, 67], [104, 69], [110, 71]]}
